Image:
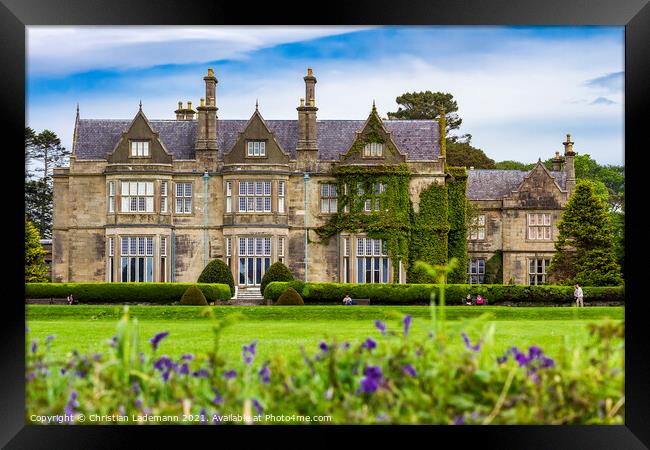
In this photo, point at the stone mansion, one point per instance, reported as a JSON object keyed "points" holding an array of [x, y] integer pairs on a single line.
{"points": [[155, 200]]}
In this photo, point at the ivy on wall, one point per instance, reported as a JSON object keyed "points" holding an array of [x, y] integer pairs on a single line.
{"points": [[457, 239], [433, 234], [494, 269]]}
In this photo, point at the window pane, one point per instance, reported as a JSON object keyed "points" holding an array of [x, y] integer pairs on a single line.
{"points": [[242, 246], [242, 204], [250, 149], [376, 271], [359, 270], [531, 268], [368, 270], [188, 205], [188, 189], [228, 188], [258, 246], [360, 246], [149, 242], [267, 204], [332, 190], [242, 188], [384, 270], [369, 247], [324, 190], [149, 269], [481, 233], [251, 263], [267, 246], [251, 246], [267, 188], [324, 205], [251, 204], [281, 188], [262, 148], [251, 187], [377, 247], [259, 188], [281, 205], [149, 206], [242, 270], [228, 204], [125, 269], [332, 205], [259, 201]]}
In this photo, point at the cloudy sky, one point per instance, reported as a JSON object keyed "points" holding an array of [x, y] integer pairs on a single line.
{"points": [[519, 89]]}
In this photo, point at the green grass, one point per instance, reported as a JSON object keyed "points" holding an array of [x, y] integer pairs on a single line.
{"points": [[284, 329]]}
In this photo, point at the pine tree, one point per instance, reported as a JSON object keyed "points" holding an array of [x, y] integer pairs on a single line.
{"points": [[35, 268], [585, 247]]}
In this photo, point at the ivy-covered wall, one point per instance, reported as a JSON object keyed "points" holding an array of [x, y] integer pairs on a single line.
{"points": [[429, 230], [457, 239], [433, 234]]}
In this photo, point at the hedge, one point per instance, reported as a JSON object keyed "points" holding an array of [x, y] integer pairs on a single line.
{"points": [[406, 294], [161, 293]]}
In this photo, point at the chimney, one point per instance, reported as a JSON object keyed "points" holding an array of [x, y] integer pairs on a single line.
{"points": [[307, 147], [569, 166], [206, 141], [189, 112], [180, 112], [557, 162]]}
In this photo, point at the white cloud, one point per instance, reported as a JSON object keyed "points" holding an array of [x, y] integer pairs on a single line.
{"points": [[65, 50], [517, 102]]}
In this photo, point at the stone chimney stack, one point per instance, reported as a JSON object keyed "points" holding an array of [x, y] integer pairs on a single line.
{"points": [[557, 162], [569, 166], [206, 140], [307, 147], [180, 112]]}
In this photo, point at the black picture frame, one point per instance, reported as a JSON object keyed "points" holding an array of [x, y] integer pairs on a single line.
{"points": [[15, 15]]}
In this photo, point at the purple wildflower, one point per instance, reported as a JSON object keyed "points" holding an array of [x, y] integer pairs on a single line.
{"points": [[258, 406], [459, 420], [409, 370], [187, 357], [49, 339], [204, 415], [230, 374], [34, 345], [135, 387], [96, 356], [121, 410], [218, 399], [265, 373], [31, 376], [469, 345], [157, 338], [323, 346], [184, 369], [534, 351], [372, 379], [407, 324], [546, 362], [346, 345], [381, 326], [201, 373], [62, 371], [138, 403], [369, 344], [141, 358], [163, 363], [72, 404], [248, 352], [113, 342]]}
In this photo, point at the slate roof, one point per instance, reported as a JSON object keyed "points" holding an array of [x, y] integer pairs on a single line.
{"points": [[490, 184], [418, 139]]}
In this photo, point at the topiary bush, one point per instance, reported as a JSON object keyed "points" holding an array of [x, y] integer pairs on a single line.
{"points": [[218, 272], [193, 296], [277, 272], [290, 297]]}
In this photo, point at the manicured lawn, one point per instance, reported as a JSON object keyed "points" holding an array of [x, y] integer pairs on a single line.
{"points": [[282, 330]]}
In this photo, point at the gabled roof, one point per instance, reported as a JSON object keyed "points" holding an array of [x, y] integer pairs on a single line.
{"points": [[418, 139], [492, 184]]}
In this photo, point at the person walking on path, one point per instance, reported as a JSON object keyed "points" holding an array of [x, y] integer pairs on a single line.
{"points": [[578, 296]]}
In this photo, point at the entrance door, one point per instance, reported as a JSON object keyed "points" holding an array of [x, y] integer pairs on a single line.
{"points": [[254, 260]]}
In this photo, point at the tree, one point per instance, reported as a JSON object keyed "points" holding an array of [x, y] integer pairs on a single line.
{"points": [[29, 148], [513, 165], [35, 268], [47, 150], [38, 205], [424, 105], [585, 247], [464, 154]]}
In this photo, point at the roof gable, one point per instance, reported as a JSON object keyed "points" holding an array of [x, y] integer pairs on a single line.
{"points": [[373, 131], [255, 129], [139, 130]]}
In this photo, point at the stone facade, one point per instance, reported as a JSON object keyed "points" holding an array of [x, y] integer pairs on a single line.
{"points": [[155, 200]]}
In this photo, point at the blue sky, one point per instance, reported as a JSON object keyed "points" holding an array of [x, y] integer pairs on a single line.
{"points": [[519, 89]]}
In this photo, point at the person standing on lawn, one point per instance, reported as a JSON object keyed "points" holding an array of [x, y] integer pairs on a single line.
{"points": [[578, 296]]}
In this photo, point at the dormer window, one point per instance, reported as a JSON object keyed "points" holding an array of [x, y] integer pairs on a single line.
{"points": [[140, 149], [373, 150], [256, 149]]}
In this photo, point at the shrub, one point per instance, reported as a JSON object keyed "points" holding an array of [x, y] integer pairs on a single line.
{"points": [[218, 272], [35, 268], [417, 274], [290, 297], [277, 272], [405, 294], [193, 296], [160, 293]]}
